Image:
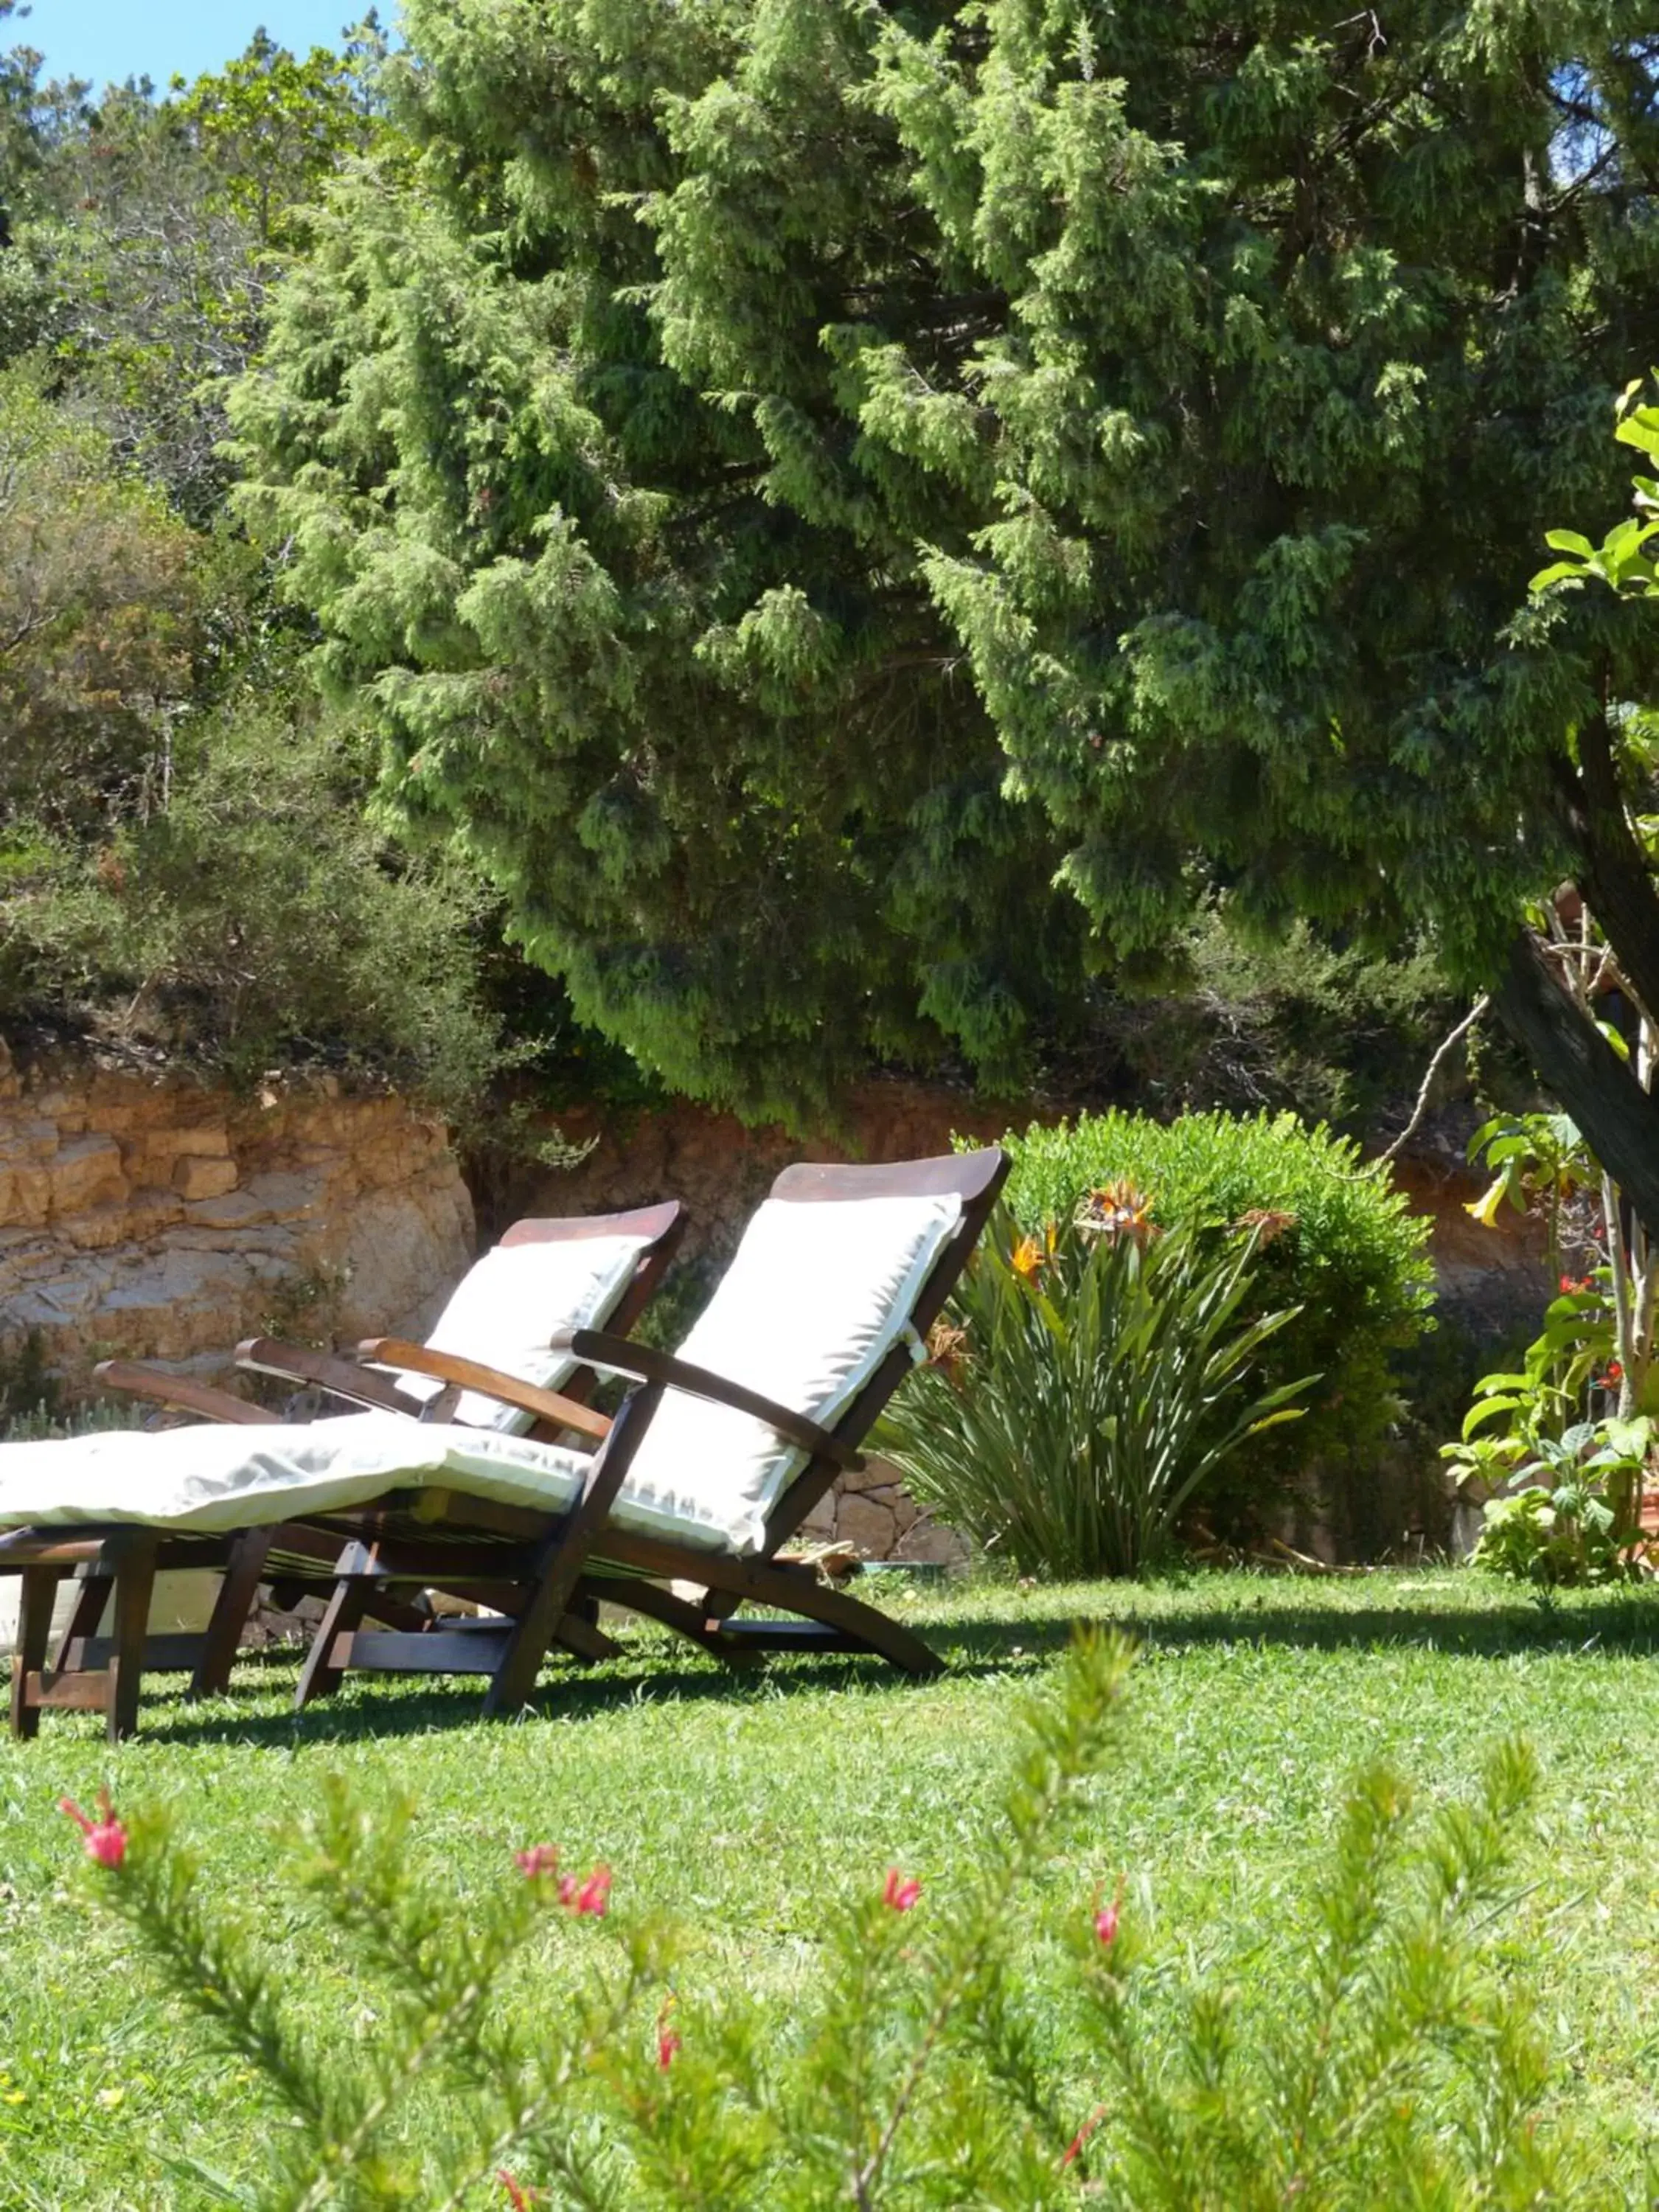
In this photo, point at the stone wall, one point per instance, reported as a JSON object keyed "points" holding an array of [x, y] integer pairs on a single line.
{"points": [[164, 1220]]}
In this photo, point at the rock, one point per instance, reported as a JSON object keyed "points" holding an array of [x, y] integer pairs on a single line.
{"points": [[161, 1220], [195, 1177], [86, 1171], [869, 1526], [929, 1542]]}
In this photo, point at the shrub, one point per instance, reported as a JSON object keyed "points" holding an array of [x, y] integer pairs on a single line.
{"points": [[937, 2058], [257, 918], [1087, 1386], [1337, 1243]]}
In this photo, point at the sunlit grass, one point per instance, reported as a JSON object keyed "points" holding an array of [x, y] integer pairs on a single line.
{"points": [[748, 1807]]}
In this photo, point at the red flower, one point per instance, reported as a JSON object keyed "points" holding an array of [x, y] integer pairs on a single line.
{"points": [[1106, 1917], [107, 1839], [1074, 2148], [540, 1859], [591, 1896], [668, 2037], [1575, 1286], [901, 1892]]}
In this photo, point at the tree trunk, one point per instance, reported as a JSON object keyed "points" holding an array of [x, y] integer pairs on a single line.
{"points": [[1619, 1119], [1613, 871]]}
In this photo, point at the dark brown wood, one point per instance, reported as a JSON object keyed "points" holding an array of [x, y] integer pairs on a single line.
{"points": [[327, 1371], [656, 1602], [660, 1226], [135, 1380], [561, 1557], [173, 1651], [76, 1693], [549, 1405], [33, 1632], [774, 1635], [134, 1586], [319, 1676], [92, 1597], [238, 1587], [597, 1347]]}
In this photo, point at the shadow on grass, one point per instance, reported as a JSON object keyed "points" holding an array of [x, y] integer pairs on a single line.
{"points": [[1628, 1628], [385, 1707], [973, 1649]]}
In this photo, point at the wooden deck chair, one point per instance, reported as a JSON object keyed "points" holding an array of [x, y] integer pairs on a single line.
{"points": [[511, 1304], [703, 1475], [718, 1455]]}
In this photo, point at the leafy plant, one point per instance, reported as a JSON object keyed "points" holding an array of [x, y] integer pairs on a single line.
{"points": [[935, 2061], [1568, 1535], [1338, 1243], [1087, 1385]]}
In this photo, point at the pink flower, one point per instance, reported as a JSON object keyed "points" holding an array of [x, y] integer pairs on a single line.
{"points": [[901, 1892], [591, 1896], [1106, 1917], [540, 1859], [107, 1839]]}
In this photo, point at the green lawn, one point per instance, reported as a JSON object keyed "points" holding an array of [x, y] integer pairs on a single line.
{"points": [[746, 1807]]}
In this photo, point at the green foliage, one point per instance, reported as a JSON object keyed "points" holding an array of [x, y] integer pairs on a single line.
{"points": [[257, 918], [845, 472], [1284, 1020], [1569, 1488], [1562, 1363], [1378, 2085], [920, 2067], [1088, 1387], [273, 129], [1568, 1535], [1338, 1244], [100, 602]]}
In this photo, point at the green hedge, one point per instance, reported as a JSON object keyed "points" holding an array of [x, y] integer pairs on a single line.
{"points": [[1350, 1255]]}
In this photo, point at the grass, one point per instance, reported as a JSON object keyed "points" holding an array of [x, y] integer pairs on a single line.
{"points": [[749, 1807]]}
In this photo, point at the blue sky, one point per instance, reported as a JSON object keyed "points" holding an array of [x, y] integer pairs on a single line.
{"points": [[111, 40]]}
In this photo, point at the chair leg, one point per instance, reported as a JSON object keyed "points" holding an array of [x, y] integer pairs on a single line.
{"points": [[863, 1626], [34, 1633], [135, 1584], [319, 1678], [225, 1628], [875, 1630], [84, 1621]]}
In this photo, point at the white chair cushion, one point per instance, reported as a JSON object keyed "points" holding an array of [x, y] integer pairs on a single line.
{"points": [[214, 1478], [511, 1300], [816, 1296]]}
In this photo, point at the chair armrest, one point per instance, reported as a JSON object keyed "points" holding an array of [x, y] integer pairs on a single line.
{"points": [[473, 1375], [620, 1355], [135, 1381], [343, 1378]]}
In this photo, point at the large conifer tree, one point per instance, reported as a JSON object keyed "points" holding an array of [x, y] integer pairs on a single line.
{"points": [[800, 477]]}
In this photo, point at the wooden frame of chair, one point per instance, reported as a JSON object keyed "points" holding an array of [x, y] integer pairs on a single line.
{"points": [[548, 1562], [89, 1671]]}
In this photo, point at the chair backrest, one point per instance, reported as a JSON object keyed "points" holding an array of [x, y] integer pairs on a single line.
{"points": [[545, 1275], [823, 1309]]}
